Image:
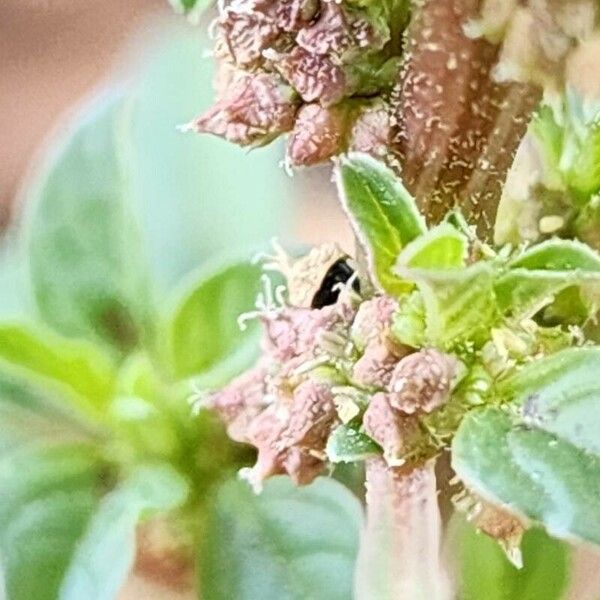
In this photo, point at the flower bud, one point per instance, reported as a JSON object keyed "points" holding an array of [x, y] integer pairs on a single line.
{"points": [[240, 402], [375, 367], [537, 36], [312, 416], [292, 15], [254, 110], [298, 332], [326, 51], [422, 381], [315, 77], [372, 130], [373, 320], [397, 434], [290, 434], [318, 134], [247, 32], [341, 31]]}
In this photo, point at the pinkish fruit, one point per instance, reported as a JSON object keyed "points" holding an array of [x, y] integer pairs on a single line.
{"points": [[422, 381]]}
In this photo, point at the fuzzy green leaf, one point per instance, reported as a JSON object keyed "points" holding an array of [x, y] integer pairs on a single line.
{"points": [[485, 572], [587, 223], [288, 543], [409, 322], [559, 255], [540, 273], [443, 247], [547, 137], [87, 273], [202, 328], [582, 171], [522, 292], [460, 305], [570, 148], [383, 214], [531, 472], [346, 444], [561, 394], [106, 551]]}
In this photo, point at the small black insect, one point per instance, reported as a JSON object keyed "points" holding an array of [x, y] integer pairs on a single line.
{"points": [[339, 273]]}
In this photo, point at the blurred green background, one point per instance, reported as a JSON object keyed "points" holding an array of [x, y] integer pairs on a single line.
{"points": [[122, 273]]}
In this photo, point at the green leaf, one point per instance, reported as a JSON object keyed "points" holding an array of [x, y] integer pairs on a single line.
{"points": [[587, 223], [409, 322], [569, 144], [288, 543], [32, 412], [583, 172], [79, 366], [127, 156], [202, 328], [56, 540], [460, 305], [559, 255], [521, 293], [147, 413], [346, 444], [87, 273], [105, 552], [13, 281], [540, 273], [48, 496], [383, 214], [531, 472], [443, 247], [547, 136], [561, 394], [485, 572]]}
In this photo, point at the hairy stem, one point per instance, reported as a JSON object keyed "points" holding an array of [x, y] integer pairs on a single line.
{"points": [[399, 557], [456, 129]]}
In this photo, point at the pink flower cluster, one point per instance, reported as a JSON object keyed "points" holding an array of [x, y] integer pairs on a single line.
{"points": [[316, 69], [290, 402]]}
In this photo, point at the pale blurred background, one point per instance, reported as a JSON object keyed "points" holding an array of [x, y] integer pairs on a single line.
{"points": [[54, 52]]}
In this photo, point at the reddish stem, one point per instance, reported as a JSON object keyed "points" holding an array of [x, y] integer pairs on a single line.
{"points": [[457, 129], [399, 557]]}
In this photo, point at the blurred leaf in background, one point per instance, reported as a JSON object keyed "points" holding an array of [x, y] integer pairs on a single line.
{"points": [[196, 195], [87, 270], [484, 571], [133, 233], [128, 257], [288, 543]]}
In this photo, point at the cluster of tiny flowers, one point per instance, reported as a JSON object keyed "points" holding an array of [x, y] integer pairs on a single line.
{"points": [[329, 365], [317, 69]]}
